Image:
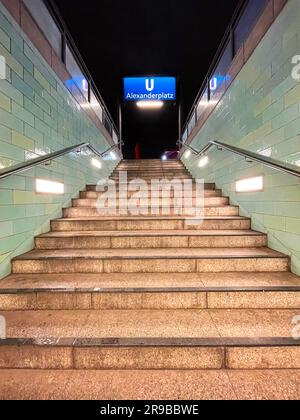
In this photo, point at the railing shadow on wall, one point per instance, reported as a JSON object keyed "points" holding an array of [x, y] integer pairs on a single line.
{"points": [[248, 155], [22, 167]]}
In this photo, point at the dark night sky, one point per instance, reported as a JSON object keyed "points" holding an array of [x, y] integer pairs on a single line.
{"points": [[139, 37]]}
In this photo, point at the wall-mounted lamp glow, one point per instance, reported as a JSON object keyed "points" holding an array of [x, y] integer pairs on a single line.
{"points": [[2, 67], [97, 163], [250, 185], [203, 162], [187, 154], [150, 104], [44, 186], [113, 156]]}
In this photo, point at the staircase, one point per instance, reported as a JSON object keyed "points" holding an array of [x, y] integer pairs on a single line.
{"points": [[150, 307]]}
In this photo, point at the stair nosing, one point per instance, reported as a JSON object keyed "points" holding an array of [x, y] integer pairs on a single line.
{"points": [[233, 289], [107, 342], [139, 234], [147, 207], [147, 218], [113, 258]]}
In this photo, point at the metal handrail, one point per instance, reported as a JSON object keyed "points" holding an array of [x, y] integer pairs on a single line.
{"points": [[25, 166], [180, 144], [250, 156]]}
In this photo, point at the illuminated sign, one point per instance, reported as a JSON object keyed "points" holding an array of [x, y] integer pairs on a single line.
{"points": [[150, 89]]}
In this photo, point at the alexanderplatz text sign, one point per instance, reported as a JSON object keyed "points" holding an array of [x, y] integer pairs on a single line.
{"points": [[150, 89]]}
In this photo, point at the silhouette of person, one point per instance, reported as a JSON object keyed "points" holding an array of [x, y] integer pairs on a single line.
{"points": [[137, 152]]}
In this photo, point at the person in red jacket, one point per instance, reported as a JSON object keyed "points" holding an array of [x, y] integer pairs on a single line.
{"points": [[137, 152]]}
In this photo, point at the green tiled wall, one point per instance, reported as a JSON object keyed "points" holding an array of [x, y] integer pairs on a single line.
{"points": [[37, 115], [261, 112]]}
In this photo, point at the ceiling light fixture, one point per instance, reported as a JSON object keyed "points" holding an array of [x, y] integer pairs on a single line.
{"points": [[150, 104]]}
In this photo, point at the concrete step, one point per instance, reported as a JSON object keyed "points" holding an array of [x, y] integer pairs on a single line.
{"points": [[158, 282], [157, 291], [182, 260], [95, 194], [145, 167], [151, 177], [185, 385], [145, 202], [151, 239], [174, 183], [142, 162], [151, 169], [101, 294], [149, 223], [150, 164], [151, 172], [136, 300], [162, 339], [75, 212]]}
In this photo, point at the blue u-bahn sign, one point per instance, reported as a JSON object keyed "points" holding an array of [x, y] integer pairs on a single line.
{"points": [[150, 89]]}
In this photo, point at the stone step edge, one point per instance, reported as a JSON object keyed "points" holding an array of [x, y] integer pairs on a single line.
{"points": [[158, 290], [190, 194], [160, 201], [32, 257], [213, 342], [161, 208], [208, 186], [149, 218], [141, 234]]}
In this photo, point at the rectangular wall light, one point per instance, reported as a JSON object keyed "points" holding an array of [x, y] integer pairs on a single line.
{"points": [[250, 184], [44, 186]]}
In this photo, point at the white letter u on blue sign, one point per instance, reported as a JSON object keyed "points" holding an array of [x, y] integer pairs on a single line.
{"points": [[151, 87]]}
